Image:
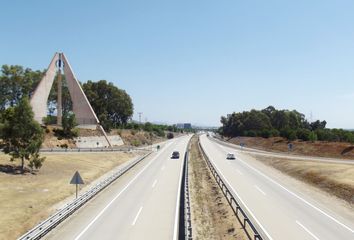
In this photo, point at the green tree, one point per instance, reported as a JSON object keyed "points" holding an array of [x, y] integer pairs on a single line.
{"points": [[148, 127], [22, 135], [68, 124], [256, 120], [112, 105], [16, 82], [312, 136], [303, 134], [292, 135], [280, 120], [318, 125], [66, 98]]}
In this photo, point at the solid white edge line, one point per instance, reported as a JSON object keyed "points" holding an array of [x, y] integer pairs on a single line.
{"points": [[123, 190], [308, 231], [153, 185], [258, 188], [137, 215], [238, 196], [284, 155], [175, 230], [295, 195]]}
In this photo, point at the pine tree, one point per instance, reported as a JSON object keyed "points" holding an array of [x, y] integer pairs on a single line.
{"points": [[22, 135]]}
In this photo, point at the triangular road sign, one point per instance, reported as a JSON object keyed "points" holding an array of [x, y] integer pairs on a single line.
{"points": [[76, 179]]}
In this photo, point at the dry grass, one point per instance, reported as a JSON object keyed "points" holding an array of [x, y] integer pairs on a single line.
{"points": [[137, 138], [212, 216], [318, 148], [130, 137], [26, 199], [336, 179]]}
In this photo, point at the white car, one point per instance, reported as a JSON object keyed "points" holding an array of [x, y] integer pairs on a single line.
{"points": [[230, 156]]}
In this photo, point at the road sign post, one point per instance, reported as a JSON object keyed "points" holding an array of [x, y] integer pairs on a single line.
{"points": [[290, 147], [76, 179]]}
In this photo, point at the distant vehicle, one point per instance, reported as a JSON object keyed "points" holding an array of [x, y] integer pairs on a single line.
{"points": [[230, 156], [175, 154]]}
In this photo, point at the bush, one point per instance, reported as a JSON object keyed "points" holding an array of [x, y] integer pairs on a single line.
{"points": [[288, 134], [136, 143], [68, 131], [148, 127], [251, 133], [292, 136], [349, 137], [274, 132], [48, 120], [159, 132], [265, 133], [64, 145], [170, 135], [303, 134], [312, 136]]}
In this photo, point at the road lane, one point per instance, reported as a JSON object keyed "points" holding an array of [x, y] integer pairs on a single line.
{"points": [[258, 152], [131, 208], [280, 210]]}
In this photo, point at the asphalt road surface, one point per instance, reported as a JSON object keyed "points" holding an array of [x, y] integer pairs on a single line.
{"points": [[280, 210], [141, 204], [284, 155]]}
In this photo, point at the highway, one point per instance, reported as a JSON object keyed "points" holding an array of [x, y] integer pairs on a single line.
{"points": [[141, 204], [280, 210], [284, 155]]}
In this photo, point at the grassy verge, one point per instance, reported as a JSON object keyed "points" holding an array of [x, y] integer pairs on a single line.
{"points": [[27, 199], [319, 148], [336, 179], [212, 217]]}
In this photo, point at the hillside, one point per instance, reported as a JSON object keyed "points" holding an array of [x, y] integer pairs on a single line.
{"points": [[130, 137], [317, 148]]}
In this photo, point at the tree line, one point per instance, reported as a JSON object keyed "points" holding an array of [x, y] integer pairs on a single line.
{"points": [[270, 122], [21, 136], [112, 105], [158, 129]]}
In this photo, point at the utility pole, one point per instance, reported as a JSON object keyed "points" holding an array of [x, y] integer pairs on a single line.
{"points": [[59, 93], [140, 113]]}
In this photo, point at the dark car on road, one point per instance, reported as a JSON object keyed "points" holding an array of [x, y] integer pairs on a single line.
{"points": [[175, 154]]}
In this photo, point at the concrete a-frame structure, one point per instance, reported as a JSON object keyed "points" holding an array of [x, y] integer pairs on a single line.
{"points": [[81, 106]]}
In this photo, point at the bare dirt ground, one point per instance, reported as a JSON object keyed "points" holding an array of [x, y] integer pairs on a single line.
{"points": [[27, 199], [319, 149], [51, 141], [130, 137], [138, 138], [212, 216]]}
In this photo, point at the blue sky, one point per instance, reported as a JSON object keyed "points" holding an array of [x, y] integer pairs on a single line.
{"points": [[193, 61]]}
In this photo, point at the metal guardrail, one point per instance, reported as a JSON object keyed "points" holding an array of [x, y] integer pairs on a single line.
{"points": [[185, 220], [124, 149], [187, 202], [240, 212], [47, 225]]}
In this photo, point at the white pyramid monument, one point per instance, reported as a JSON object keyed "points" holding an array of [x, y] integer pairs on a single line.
{"points": [[84, 114]]}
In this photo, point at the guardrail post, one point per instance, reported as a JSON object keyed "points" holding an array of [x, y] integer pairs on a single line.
{"points": [[221, 184], [44, 227]]}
